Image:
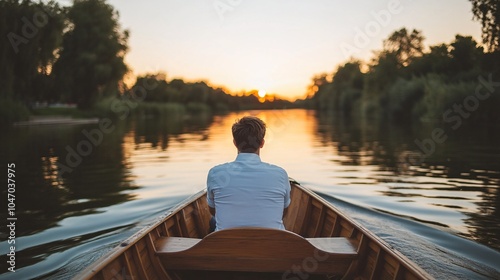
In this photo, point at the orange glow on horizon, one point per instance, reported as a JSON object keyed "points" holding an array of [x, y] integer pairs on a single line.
{"points": [[262, 93]]}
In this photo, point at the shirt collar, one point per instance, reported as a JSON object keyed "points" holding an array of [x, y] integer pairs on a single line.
{"points": [[248, 157]]}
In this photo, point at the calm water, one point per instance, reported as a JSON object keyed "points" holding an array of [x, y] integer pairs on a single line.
{"points": [[442, 212]]}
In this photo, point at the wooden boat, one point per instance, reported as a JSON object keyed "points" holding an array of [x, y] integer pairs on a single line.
{"points": [[320, 243]]}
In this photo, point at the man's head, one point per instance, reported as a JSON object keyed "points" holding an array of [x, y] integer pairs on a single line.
{"points": [[248, 134]]}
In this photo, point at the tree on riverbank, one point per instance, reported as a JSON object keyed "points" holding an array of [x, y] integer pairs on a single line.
{"points": [[58, 54], [75, 54], [488, 13], [91, 61], [31, 34], [405, 84], [197, 97]]}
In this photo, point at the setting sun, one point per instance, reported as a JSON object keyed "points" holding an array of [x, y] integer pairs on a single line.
{"points": [[262, 93]]}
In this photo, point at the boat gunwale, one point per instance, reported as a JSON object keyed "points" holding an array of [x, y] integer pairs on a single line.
{"points": [[124, 245], [388, 249], [115, 252]]}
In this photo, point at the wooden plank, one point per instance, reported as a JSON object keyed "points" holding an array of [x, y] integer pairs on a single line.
{"points": [[190, 222], [290, 219], [175, 244], [302, 222], [169, 224], [345, 228], [178, 224], [255, 249], [139, 261], [378, 263], [201, 226], [399, 272], [334, 245], [112, 270], [158, 268], [133, 269], [321, 220], [329, 224], [128, 266]]}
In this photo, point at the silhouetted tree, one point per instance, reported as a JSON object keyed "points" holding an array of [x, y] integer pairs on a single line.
{"points": [[488, 13], [405, 84], [317, 82], [438, 60], [91, 59], [406, 46], [347, 86], [31, 33], [465, 53]]}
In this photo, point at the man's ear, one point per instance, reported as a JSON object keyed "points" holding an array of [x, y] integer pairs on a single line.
{"points": [[234, 142], [262, 145]]}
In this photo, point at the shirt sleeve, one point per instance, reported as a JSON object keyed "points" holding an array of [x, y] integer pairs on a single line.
{"points": [[210, 185], [287, 191]]}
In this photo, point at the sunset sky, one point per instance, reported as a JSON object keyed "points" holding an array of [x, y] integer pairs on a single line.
{"points": [[274, 45]]}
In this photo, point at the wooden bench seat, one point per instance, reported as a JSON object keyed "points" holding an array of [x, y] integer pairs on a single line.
{"points": [[256, 249]]}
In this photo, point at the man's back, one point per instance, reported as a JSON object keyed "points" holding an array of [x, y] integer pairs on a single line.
{"points": [[248, 192]]}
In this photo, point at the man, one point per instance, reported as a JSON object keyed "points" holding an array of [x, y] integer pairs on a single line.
{"points": [[247, 191]]}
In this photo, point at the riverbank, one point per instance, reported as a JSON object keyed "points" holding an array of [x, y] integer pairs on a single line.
{"points": [[55, 120]]}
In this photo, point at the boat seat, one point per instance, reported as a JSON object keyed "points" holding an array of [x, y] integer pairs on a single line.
{"points": [[257, 249]]}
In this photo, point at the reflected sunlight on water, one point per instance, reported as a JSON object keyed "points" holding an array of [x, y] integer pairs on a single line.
{"points": [[146, 166]]}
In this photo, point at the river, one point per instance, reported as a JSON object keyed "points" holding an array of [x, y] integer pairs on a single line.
{"points": [[81, 189]]}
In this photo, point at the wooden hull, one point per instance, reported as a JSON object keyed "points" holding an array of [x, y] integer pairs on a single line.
{"points": [[309, 216]]}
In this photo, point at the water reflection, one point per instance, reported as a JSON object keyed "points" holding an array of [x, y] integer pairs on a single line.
{"points": [[460, 181], [158, 132], [146, 165], [44, 198]]}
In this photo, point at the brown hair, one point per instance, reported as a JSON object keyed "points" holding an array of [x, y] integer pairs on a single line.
{"points": [[248, 133]]}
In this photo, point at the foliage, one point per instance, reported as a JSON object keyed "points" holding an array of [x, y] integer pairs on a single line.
{"points": [[75, 54], [402, 97], [404, 46], [159, 110], [197, 97], [91, 58], [31, 33], [404, 83], [488, 13], [12, 111]]}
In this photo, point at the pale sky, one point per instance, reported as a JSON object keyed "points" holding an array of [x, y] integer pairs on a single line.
{"points": [[275, 45]]}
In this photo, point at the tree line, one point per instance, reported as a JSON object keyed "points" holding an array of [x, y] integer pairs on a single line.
{"points": [[75, 54], [52, 53], [406, 82], [196, 95]]}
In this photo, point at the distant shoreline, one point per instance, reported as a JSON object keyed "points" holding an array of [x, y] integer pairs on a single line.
{"points": [[55, 120]]}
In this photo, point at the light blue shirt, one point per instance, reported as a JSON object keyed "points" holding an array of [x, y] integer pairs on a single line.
{"points": [[248, 192]]}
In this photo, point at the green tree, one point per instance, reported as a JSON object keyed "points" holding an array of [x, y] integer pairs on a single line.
{"points": [[465, 53], [404, 45], [197, 92], [347, 86], [319, 89], [317, 82], [91, 59], [155, 86], [384, 69], [31, 33], [438, 60], [488, 13]]}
